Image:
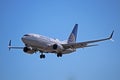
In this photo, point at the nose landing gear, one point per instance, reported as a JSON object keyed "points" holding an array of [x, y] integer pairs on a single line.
{"points": [[42, 56]]}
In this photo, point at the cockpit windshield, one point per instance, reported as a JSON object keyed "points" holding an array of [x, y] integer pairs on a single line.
{"points": [[26, 35]]}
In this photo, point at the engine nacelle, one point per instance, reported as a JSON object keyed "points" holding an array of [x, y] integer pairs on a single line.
{"points": [[57, 47], [28, 50]]}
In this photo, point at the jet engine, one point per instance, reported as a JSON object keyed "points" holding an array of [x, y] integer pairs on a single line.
{"points": [[28, 50], [57, 47]]}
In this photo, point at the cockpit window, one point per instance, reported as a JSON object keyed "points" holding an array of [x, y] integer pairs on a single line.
{"points": [[26, 35]]}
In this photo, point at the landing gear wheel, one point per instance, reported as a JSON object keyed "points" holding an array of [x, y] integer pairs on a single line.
{"points": [[42, 56], [59, 55]]}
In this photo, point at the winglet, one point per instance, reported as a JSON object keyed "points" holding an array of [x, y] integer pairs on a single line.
{"points": [[9, 45], [111, 35]]}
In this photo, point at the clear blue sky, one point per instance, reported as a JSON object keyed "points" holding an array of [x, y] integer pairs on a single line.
{"points": [[56, 18]]}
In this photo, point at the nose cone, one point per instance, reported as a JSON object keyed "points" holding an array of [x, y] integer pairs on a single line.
{"points": [[25, 37]]}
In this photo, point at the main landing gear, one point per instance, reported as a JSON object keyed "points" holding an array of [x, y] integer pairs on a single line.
{"points": [[42, 56], [59, 55]]}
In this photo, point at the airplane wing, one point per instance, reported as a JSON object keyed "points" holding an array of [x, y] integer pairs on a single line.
{"points": [[13, 47], [86, 43]]}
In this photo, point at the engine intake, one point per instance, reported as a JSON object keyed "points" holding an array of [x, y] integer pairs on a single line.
{"points": [[55, 46], [28, 50]]}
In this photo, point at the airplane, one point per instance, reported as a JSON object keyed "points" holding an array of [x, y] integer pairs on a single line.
{"points": [[39, 43]]}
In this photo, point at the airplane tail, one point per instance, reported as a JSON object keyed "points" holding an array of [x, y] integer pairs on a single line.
{"points": [[73, 35]]}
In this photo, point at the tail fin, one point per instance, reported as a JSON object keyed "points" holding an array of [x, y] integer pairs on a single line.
{"points": [[73, 35]]}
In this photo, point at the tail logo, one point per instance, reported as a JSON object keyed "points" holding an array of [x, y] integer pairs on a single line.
{"points": [[73, 35], [71, 38]]}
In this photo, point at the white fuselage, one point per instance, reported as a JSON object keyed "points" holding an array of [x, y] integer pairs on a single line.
{"points": [[44, 44]]}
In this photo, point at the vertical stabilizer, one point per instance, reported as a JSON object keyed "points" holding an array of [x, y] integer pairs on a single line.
{"points": [[73, 35]]}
